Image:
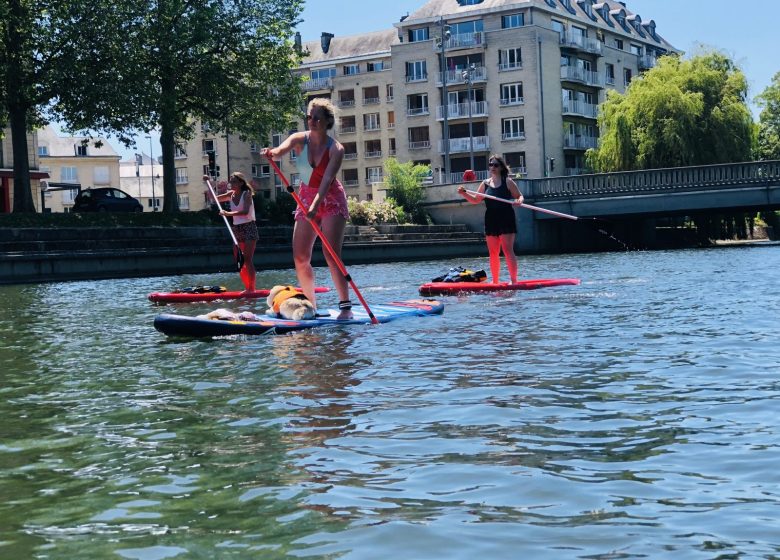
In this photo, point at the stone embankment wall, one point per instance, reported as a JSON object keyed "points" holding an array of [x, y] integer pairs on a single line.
{"points": [[47, 255]]}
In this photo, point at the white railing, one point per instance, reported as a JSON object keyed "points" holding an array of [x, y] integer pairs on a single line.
{"points": [[318, 83], [576, 107], [456, 77], [371, 100], [507, 66], [464, 40], [421, 145], [519, 135], [417, 78], [351, 155], [391, 125], [576, 142], [347, 103], [577, 74], [351, 183], [458, 145], [512, 101], [371, 126], [417, 111], [374, 154], [577, 41], [647, 61], [346, 129], [461, 110]]}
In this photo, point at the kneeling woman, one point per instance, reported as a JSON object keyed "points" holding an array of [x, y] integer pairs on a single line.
{"points": [[242, 209], [500, 224]]}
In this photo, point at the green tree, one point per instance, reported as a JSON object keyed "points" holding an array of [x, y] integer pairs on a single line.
{"points": [[228, 64], [680, 113], [40, 42], [405, 186], [768, 137]]}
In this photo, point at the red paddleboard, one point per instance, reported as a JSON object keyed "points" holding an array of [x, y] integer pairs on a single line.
{"points": [[188, 297], [450, 288]]}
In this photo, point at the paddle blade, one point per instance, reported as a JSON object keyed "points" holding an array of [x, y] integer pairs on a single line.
{"points": [[469, 175], [239, 259]]}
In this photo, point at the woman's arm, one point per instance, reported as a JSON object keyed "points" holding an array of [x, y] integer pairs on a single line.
{"points": [[294, 141], [515, 192], [243, 207]]}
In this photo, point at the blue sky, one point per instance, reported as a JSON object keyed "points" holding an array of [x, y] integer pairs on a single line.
{"points": [[743, 30]]}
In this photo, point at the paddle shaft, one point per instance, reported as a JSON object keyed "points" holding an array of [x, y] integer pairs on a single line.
{"points": [[524, 205], [230, 229], [325, 243]]}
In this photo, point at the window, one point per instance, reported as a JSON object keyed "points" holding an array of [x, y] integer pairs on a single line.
{"points": [[347, 124], [350, 150], [389, 92], [69, 196], [346, 98], [276, 139], [373, 148], [391, 151], [513, 128], [375, 66], [619, 44], [416, 71], [350, 177], [512, 20], [636, 49], [351, 69], [510, 59], [374, 175], [69, 175], [81, 150], [391, 119], [512, 94], [181, 175], [295, 179], [323, 74], [101, 175], [417, 104], [567, 4], [626, 76], [515, 161], [261, 170], [466, 27], [43, 150], [209, 147], [559, 27], [371, 121], [178, 152], [420, 34], [419, 138], [610, 74], [184, 201], [469, 2], [371, 95]]}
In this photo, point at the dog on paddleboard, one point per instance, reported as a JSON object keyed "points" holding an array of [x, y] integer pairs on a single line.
{"points": [[288, 303]]}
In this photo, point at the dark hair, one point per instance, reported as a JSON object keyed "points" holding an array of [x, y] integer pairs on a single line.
{"points": [[244, 185], [501, 164]]}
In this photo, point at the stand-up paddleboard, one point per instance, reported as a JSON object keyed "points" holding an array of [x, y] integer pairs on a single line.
{"points": [[178, 325], [451, 288], [188, 296]]}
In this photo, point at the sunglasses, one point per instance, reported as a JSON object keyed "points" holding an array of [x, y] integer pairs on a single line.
{"points": [[312, 118], [494, 164]]}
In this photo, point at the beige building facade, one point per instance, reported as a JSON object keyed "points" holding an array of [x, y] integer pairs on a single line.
{"points": [[7, 171], [456, 81]]}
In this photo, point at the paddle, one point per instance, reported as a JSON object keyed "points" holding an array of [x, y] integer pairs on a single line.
{"points": [[239, 254], [325, 243]]}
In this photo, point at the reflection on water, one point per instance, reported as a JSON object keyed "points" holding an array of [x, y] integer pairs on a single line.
{"points": [[631, 416]]}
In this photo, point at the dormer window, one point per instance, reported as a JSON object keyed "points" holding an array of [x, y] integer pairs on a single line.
{"points": [[469, 2], [81, 150], [636, 23], [587, 7], [620, 17], [650, 26], [551, 3], [603, 11], [567, 4]]}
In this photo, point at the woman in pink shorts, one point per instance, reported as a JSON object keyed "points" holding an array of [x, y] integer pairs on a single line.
{"points": [[318, 161]]}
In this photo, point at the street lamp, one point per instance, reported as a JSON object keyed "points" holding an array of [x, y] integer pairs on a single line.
{"points": [[468, 76], [441, 41], [151, 156]]}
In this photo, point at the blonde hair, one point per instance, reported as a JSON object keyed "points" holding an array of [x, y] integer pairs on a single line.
{"points": [[245, 186], [327, 108]]}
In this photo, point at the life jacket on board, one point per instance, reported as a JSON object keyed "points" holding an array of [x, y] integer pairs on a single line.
{"points": [[283, 295], [460, 274]]}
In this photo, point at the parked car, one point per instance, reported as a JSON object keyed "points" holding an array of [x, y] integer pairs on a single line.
{"points": [[106, 199]]}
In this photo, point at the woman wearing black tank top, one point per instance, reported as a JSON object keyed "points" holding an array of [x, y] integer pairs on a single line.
{"points": [[500, 224]]}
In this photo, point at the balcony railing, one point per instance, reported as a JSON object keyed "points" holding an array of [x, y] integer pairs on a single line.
{"points": [[371, 127], [580, 108], [580, 43], [507, 66], [577, 74], [576, 142], [374, 154], [464, 41], [351, 182], [516, 135], [343, 103], [647, 61], [351, 155], [390, 125], [318, 83], [461, 110], [420, 145], [416, 78], [459, 145], [417, 111], [455, 77], [347, 129], [371, 100], [511, 101]]}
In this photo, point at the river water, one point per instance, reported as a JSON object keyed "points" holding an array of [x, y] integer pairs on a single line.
{"points": [[633, 416]]}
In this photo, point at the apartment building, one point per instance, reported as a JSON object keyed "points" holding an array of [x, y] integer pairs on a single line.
{"points": [[74, 160], [458, 80], [7, 171]]}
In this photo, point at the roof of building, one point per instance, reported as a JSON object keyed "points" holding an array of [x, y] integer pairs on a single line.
{"points": [[64, 146], [434, 9], [365, 44]]}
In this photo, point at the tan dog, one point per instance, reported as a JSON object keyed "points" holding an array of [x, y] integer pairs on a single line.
{"points": [[288, 303]]}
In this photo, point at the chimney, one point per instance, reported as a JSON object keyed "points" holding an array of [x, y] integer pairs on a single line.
{"points": [[325, 41], [298, 43]]}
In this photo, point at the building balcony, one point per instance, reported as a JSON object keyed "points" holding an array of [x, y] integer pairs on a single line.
{"points": [[461, 110], [318, 84], [464, 41], [580, 75], [577, 42], [420, 145], [575, 142], [456, 77], [580, 109], [417, 111], [374, 127], [372, 101], [509, 136], [391, 126], [509, 101], [346, 103], [351, 155], [460, 145], [509, 66], [647, 61], [416, 78], [347, 129], [351, 183], [375, 154]]}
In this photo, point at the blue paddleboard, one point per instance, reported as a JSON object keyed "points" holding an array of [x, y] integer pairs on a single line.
{"points": [[181, 325]]}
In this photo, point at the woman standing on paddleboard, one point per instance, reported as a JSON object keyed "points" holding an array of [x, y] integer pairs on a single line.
{"points": [[500, 224], [318, 161], [242, 209]]}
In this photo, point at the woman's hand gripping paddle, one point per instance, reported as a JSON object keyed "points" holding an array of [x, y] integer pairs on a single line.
{"points": [[239, 254], [325, 243]]}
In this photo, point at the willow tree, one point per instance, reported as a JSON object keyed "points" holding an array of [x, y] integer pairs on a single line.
{"points": [[40, 44], [680, 113], [225, 63], [405, 186], [768, 144]]}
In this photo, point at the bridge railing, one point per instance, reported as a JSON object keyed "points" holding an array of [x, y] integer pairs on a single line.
{"points": [[654, 180]]}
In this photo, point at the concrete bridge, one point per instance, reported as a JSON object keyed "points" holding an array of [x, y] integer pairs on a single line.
{"points": [[632, 202]]}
